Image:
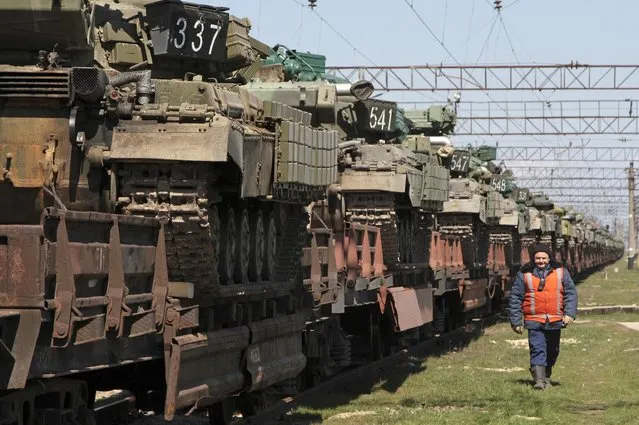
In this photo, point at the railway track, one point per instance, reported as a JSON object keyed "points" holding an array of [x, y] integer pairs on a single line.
{"points": [[282, 410]]}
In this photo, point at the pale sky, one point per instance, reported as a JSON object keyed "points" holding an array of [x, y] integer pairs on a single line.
{"points": [[390, 33]]}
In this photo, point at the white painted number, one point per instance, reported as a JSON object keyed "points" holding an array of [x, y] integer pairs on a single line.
{"points": [[499, 185], [199, 26], [377, 120], [458, 162], [217, 29], [181, 28], [381, 122], [198, 35], [372, 121]]}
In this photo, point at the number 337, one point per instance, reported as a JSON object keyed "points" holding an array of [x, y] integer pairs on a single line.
{"points": [[180, 40]]}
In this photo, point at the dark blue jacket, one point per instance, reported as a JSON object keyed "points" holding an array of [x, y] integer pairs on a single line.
{"points": [[518, 291]]}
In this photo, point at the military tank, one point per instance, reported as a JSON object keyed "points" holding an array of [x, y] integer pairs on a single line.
{"points": [[504, 223], [388, 180], [543, 223], [138, 111], [159, 209], [464, 224]]}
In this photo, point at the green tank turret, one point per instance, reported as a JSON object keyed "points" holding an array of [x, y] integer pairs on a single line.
{"points": [[542, 221], [379, 164], [291, 65]]}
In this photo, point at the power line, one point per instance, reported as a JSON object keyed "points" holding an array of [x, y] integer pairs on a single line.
{"points": [[481, 52], [512, 4], [512, 48], [441, 43], [417, 14], [472, 14], [355, 49], [338, 33], [445, 16]]}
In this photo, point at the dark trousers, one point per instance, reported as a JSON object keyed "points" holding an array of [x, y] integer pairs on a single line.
{"points": [[544, 346]]}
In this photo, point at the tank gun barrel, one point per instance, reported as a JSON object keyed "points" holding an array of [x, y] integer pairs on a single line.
{"points": [[349, 144], [361, 89]]}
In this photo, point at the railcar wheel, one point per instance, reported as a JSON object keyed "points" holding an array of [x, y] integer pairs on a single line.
{"points": [[492, 287], [221, 413], [249, 404], [228, 237], [243, 247], [257, 246]]}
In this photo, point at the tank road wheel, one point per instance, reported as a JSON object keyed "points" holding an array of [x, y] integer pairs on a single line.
{"points": [[270, 247], [256, 257], [243, 247], [214, 222], [228, 236]]}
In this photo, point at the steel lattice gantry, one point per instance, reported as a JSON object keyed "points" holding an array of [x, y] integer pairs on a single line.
{"points": [[569, 173], [567, 153], [560, 192], [572, 76], [609, 186], [575, 198], [562, 117]]}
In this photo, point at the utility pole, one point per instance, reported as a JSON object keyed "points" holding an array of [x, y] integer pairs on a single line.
{"points": [[632, 230]]}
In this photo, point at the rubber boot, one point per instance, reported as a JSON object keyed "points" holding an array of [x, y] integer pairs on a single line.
{"points": [[548, 373], [540, 377]]}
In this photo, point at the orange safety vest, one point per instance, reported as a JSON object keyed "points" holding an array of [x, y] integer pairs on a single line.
{"points": [[547, 304]]}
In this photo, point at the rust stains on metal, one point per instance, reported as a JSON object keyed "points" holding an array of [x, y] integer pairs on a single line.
{"points": [[160, 280], [65, 286], [411, 307], [20, 267], [115, 285], [24, 344], [203, 368]]}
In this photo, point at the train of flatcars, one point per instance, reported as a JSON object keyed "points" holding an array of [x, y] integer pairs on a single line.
{"points": [[198, 218]]}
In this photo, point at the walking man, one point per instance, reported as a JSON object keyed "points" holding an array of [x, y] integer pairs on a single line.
{"points": [[543, 299]]}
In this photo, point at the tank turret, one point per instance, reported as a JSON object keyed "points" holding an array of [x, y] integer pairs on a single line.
{"points": [[79, 66], [378, 164], [139, 108]]}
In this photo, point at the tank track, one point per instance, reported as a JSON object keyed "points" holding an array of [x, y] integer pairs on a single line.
{"points": [[499, 234], [178, 196], [377, 210], [403, 228], [293, 228]]}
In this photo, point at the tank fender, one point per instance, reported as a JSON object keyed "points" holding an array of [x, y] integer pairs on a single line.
{"points": [[201, 142], [236, 146]]}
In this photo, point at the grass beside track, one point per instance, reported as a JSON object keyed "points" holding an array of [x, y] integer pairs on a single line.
{"points": [[621, 287], [487, 382]]}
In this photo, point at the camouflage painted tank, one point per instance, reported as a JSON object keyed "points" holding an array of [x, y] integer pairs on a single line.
{"points": [[565, 232], [542, 220], [388, 178], [505, 227], [472, 204], [377, 168], [139, 109]]}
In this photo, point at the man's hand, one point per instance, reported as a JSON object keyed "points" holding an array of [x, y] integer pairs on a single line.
{"points": [[517, 329], [567, 320]]}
